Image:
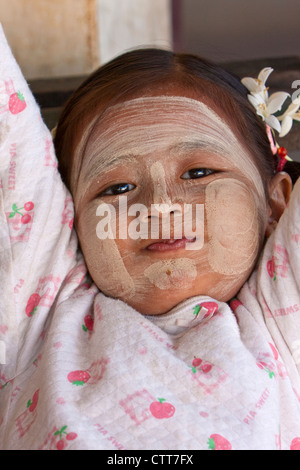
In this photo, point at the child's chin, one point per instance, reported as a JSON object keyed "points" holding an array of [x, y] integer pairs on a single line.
{"points": [[160, 294], [158, 302]]}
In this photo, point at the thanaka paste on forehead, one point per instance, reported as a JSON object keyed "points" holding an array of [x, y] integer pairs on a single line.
{"points": [[133, 129]]}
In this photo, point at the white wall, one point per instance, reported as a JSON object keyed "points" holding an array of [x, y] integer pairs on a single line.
{"points": [[125, 24]]}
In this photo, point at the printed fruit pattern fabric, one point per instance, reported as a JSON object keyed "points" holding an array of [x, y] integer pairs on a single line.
{"points": [[64, 436], [218, 442], [211, 307], [271, 268], [16, 103], [295, 444], [78, 377], [31, 404], [269, 368], [274, 351], [234, 304], [32, 304], [161, 409], [25, 218], [278, 265], [199, 364], [89, 376], [88, 323], [262, 365]]}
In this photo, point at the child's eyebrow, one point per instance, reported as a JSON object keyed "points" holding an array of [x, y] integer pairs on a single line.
{"points": [[114, 161], [190, 144], [199, 144], [108, 164]]}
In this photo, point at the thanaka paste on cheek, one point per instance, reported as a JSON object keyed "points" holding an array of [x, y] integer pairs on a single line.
{"points": [[115, 277], [232, 225], [104, 261]]}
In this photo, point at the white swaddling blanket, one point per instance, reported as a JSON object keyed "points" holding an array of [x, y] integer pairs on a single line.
{"points": [[79, 370]]}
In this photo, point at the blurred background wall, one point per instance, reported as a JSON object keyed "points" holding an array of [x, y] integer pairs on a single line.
{"points": [[231, 30], [57, 43], [52, 38]]}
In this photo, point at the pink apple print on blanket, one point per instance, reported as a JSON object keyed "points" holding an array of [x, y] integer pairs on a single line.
{"points": [[161, 409], [32, 304], [218, 442], [25, 218], [17, 103]]}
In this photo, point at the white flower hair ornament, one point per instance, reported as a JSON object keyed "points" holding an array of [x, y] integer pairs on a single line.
{"points": [[268, 106]]}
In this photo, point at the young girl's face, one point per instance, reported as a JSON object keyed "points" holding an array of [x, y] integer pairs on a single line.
{"points": [[178, 160]]}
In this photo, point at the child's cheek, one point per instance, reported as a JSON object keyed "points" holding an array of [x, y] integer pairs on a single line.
{"points": [[103, 259], [232, 226], [110, 272]]}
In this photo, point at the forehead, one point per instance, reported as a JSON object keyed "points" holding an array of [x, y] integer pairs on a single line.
{"points": [[155, 124], [159, 120]]}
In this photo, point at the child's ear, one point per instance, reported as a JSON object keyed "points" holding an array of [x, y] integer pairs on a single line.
{"points": [[280, 189]]}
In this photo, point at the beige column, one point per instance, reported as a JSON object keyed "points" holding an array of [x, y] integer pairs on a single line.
{"points": [[57, 38]]}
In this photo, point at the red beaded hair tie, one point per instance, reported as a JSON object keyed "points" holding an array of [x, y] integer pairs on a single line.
{"points": [[281, 152]]}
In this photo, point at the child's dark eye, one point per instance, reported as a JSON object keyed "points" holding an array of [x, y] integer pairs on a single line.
{"points": [[197, 173], [116, 189]]}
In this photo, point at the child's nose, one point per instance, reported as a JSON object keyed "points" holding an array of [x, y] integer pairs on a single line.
{"points": [[161, 210], [162, 220], [160, 192]]}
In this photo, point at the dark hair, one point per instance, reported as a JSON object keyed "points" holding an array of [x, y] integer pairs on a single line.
{"points": [[141, 71]]}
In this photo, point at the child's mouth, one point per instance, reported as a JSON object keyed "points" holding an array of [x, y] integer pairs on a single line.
{"points": [[170, 244]]}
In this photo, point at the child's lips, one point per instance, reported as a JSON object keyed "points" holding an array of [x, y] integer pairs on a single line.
{"points": [[170, 244]]}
